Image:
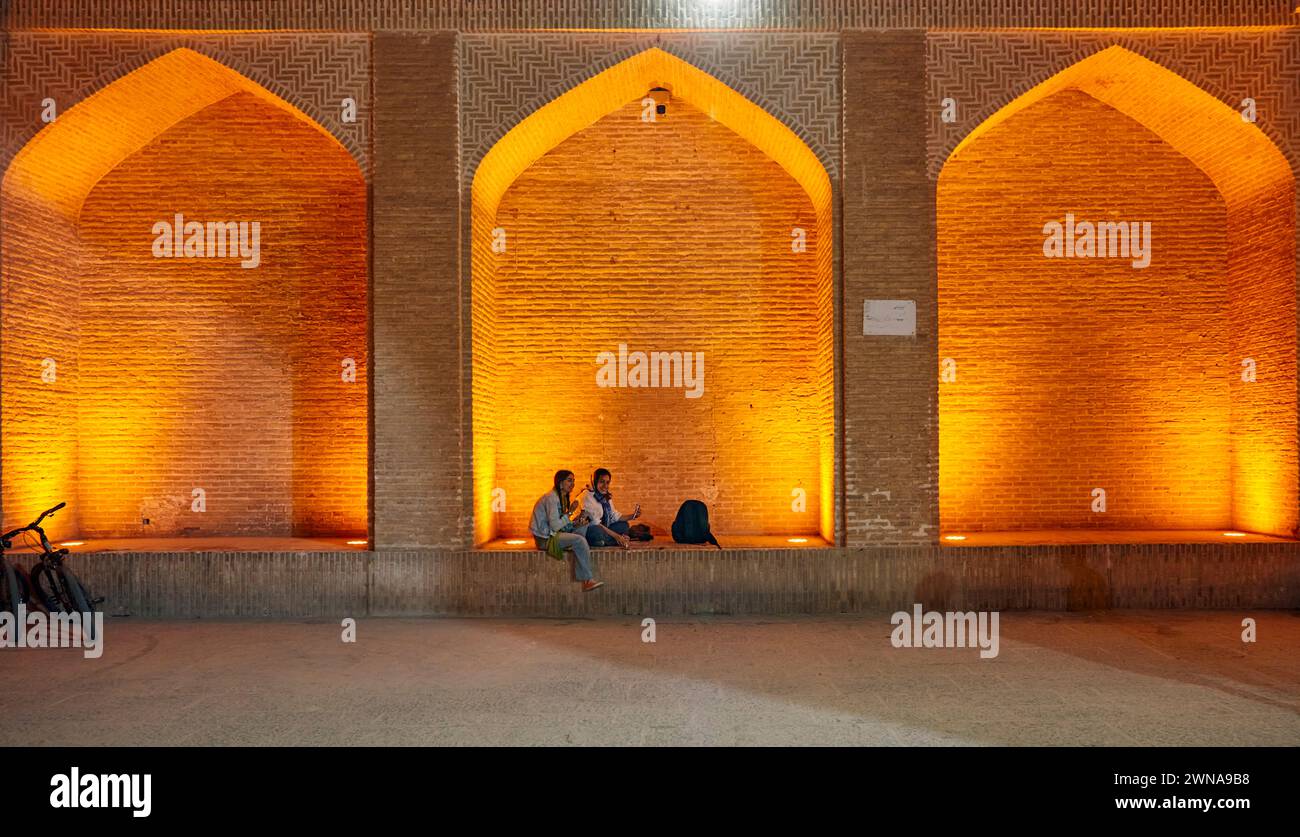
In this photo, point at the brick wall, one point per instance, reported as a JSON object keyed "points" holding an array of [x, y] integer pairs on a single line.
{"points": [[199, 373], [1262, 328], [422, 470], [196, 373], [38, 373], [665, 236], [1075, 374]]}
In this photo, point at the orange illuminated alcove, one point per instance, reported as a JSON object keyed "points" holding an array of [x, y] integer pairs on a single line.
{"points": [[1169, 386], [599, 222], [211, 395]]}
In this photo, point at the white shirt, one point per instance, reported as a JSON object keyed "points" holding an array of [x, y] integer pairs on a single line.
{"points": [[596, 511]]}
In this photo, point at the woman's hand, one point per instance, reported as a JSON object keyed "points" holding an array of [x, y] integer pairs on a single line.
{"points": [[622, 540], [582, 519], [573, 507], [636, 512]]}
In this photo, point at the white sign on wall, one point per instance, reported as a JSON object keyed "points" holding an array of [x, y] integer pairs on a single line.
{"points": [[895, 317]]}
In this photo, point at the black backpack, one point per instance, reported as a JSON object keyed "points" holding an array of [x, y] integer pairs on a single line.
{"points": [[692, 524]]}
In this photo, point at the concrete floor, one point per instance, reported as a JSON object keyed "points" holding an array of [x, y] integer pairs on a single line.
{"points": [[1097, 679]]}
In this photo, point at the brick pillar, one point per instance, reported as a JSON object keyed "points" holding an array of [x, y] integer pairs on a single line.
{"points": [[417, 492], [891, 473]]}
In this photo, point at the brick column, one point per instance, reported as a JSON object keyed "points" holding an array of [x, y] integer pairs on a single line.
{"points": [[891, 432], [417, 426]]}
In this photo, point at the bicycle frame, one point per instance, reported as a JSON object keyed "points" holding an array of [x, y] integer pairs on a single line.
{"points": [[50, 557], [6, 540]]}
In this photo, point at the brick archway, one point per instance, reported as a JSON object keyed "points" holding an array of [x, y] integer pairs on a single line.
{"points": [[758, 496], [193, 370], [1073, 375]]}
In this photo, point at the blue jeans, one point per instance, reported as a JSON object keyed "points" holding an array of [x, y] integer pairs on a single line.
{"points": [[577, 544], [597, 537]]}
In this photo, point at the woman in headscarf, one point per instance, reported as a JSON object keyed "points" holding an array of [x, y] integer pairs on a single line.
{"points": [[607, 526]]}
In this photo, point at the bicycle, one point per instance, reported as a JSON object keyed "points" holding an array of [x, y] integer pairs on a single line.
{"points": [[14, 588], [55, 586]]}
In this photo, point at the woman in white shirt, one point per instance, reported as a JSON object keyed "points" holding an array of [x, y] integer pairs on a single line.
{"points": [[607, 526]]}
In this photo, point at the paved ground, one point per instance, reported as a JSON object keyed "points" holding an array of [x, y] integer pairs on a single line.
{"points": [[1100, 679]]}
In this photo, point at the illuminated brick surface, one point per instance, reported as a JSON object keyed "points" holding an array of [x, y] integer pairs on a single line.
{"points": [[879, 93], [191, 373], [671, 236], [1081, 373], [1078, 374]]}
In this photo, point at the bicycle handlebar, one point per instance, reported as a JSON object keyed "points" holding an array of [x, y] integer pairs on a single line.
{"points": [[48, 512], [34, 526]]}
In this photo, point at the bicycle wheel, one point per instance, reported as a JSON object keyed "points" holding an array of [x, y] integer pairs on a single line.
{"points": [[48, 591], [80, 600], [12, 593]]}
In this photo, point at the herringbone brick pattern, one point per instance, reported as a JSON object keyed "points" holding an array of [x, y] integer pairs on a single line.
{"points": [[503, 78], [498, 15], [314, 72], [983, 71]]}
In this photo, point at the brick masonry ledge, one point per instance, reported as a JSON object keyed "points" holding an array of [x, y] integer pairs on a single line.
{"points": [[335, 585]]}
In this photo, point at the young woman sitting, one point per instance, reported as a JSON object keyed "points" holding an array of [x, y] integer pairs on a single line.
{"points": [[551, 520], [607, 526]]}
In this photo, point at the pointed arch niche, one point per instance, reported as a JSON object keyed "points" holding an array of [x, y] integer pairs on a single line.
{"points": [[1171, 386], [135, 384], [667, 234]]}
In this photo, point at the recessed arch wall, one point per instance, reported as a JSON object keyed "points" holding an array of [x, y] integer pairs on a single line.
{"points": [[1243, 305], [183, 374], [545, 129]]}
